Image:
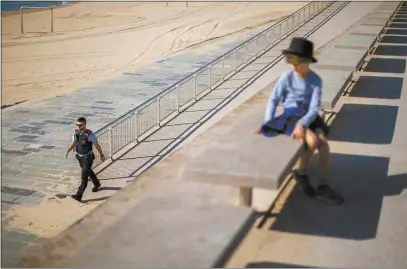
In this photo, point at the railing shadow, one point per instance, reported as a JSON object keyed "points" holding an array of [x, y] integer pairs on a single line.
{"points": [[383, 65], [367, 124], [378, 87]]}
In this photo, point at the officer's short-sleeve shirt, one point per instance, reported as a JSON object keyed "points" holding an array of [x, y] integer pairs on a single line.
{"points": [[91, 138]]}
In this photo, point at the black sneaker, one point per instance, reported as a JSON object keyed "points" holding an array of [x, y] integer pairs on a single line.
{"points": [[76, 197], [303, 184], [327, 194], [96, 187]]}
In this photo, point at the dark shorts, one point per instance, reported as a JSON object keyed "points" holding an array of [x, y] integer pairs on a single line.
{"points": [[319, 124]]}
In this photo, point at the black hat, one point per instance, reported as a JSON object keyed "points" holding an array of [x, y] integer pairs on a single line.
{"points": [[302, 48]]}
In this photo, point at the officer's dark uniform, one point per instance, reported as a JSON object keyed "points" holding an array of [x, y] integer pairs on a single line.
{"points": [[85, 156]]}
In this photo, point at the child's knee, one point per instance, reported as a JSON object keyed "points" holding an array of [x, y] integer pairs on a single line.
{"points": [[323, 145], [312, 142]]}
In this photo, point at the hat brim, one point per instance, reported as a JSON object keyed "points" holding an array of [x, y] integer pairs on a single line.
{"points": [[287, 51]]}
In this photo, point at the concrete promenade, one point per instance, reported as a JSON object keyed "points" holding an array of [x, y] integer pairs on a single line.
{"points": [[32, 173], [369, 167]]}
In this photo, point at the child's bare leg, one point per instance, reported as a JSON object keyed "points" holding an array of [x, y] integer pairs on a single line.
{"points": [[324, 192], [304, 185], [312, 142]]}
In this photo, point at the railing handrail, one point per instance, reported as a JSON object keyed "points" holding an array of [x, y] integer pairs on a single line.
{"points": [[191, 75]]}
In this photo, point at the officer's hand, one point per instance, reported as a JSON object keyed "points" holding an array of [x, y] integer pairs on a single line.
{"points": [[66, 155], [102, 158]]}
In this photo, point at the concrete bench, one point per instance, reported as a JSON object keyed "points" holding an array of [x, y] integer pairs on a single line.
{"points": [[334, 84], [239, 158], [168, 229]]}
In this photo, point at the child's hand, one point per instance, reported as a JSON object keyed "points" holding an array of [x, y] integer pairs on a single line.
{"points": [[299, 132], [257, 131]]}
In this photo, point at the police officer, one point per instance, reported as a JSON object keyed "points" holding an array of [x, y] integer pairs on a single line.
{"points": [[83, 140]]}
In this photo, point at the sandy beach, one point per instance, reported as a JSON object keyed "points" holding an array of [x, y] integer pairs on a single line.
{"points": [[93, 42], [97, 41]]}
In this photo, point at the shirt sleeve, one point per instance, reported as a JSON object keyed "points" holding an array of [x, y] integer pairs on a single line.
{"points": [[275, 98], [92, 138], [314, 106]]}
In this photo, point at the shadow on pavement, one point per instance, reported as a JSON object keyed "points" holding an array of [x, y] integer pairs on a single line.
{"points": [[396, 32], [85, 201], [395, 39], [391, 50], [367, 124], [274, 265], [109, 188], [378, 87], [386, 66]]}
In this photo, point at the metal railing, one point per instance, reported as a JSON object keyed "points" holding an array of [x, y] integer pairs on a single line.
{"points": [[22, 19], [151, 115]]}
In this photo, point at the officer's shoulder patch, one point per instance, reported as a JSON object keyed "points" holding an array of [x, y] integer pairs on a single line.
{"points": [[87, 132]]}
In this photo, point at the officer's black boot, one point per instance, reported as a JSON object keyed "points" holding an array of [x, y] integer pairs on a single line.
{"points": [[95, 181], [76, 197]]}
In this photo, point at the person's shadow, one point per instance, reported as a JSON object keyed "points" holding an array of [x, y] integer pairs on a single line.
{"points": [[363, 182]]}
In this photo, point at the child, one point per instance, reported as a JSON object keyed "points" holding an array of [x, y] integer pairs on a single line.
{"points": [[300, 90]]}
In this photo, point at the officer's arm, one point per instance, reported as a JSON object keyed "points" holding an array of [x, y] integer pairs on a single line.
{"points": [[92, 138], [72, 145], [97, 146]]}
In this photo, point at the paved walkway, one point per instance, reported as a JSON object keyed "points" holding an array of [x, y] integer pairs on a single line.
{"points": [[128, 166], [36, 135], [369, 167]]}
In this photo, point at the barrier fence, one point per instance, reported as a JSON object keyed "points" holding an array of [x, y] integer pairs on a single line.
{"points": [[22, 16], [149, 116]]}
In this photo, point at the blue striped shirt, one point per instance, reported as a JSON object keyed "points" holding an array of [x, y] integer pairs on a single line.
{"points": [[302, 94]]}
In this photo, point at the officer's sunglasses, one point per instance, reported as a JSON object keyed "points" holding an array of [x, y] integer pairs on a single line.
{"points": [[79, 124]]}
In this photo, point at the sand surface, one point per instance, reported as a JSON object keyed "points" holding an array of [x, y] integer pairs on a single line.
{"points": [[96, 41]]}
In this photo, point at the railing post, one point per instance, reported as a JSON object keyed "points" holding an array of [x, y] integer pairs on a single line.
{"points": [[195, 87], [52, 20], [245, 53], [137, 124], [178, 98], [134, 126], [110, 137], [21, 20], [158, 111]]}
